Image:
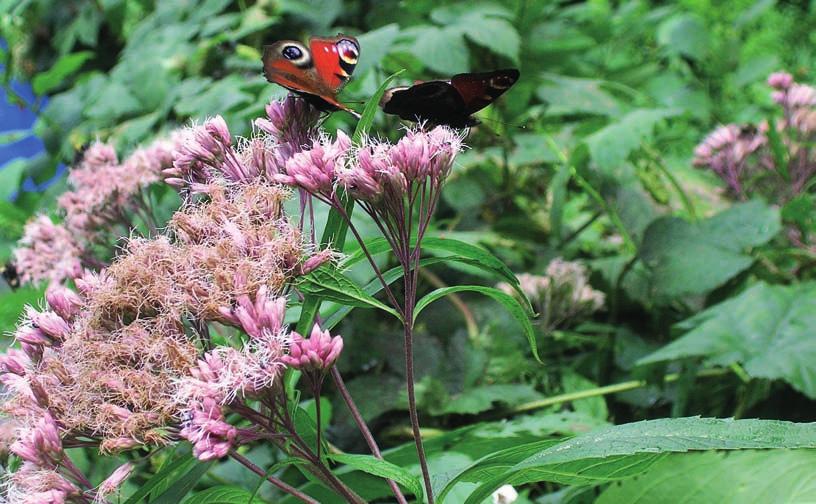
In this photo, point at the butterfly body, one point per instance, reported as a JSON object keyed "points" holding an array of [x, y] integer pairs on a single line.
{"points": [[449, 102], [317, 72]]}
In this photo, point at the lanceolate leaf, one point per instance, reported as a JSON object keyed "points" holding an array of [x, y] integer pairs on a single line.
{"points": [[222, 494], [768, 329], [621, 451], [383, 469], [184, 484], [329, 283], [509, 302], [176, 467]]}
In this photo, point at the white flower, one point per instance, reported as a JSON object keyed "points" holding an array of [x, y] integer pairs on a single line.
{"points": [[506, 494]]}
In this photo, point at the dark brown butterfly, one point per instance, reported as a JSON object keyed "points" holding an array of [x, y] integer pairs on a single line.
{"points": [[318, 72], [449, 102], [11, 275]]}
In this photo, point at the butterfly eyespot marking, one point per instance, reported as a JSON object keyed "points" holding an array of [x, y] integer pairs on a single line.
{"points": [[297, 54], [349, 51]]}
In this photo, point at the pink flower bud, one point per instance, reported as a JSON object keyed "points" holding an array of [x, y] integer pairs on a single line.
{"points": [[113, 482], [65, 302], [40, 444], [49, 323], [318, 353], [14, 361], [780, 80], [316, 261]]}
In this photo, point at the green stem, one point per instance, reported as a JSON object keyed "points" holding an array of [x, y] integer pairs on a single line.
{"points": [[605, 390], [684, 197]]}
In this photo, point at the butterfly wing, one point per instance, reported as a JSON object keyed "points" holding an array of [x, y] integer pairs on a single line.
{"points": [[334, 59], [437, 102], [478, 90], [317, 72]]}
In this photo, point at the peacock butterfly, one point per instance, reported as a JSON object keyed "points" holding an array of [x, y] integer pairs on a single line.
{"points": [[318, 72], [449, 102]]}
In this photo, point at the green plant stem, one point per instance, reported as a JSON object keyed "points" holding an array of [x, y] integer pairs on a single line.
{"points": [[605, 390], [275, 481], [684, 197]]}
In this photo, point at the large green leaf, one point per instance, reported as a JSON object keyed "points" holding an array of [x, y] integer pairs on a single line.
{"points": [[746, 477], [511, 304], [223, 494], [622, 451], [767, 328], [692, 258], [610, 146], [371, 465], [329, 283]]}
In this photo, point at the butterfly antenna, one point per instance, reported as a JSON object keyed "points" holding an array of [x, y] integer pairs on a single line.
{"points": [[505, 124]]}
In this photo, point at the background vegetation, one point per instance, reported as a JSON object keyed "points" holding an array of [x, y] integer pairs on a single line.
{"points": [[709, 304]]}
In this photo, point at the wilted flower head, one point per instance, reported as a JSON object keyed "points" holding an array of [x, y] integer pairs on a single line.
{"points": [[318, 353], [34, 485], [47, 252], [561, 295]]}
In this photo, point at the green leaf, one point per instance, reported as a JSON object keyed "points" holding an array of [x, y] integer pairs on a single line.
{"points": [[692, 258], [570, 95], [374, 466], [329, 283], [610, 146], [476, 400], [183, 485], [442, 50], [622, 451], [367, 117], [222, 494], [495, 34], [746, 477], [509, 302], [62, 69], [11, 176], [12, 220], [179, 465], [767, 328], [377, 45], [683, 34], [13, 302], [12, 136], [495, 463]]}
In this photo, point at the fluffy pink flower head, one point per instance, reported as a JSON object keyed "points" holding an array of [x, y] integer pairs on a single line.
{"points": [[34, 485], [291, 123], [40, 443], [780, 80], [47, 251], [318, 353], [315, 170], [364, 179], [204, 153]]}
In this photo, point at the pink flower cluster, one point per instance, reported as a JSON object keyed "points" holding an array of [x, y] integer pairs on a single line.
{"points": [[206, 155], [104, 193], [743, 155]]}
